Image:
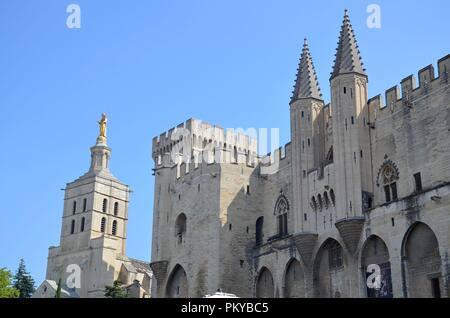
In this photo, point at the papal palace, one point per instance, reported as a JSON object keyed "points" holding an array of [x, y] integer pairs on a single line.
{"points": [[356, 205]]}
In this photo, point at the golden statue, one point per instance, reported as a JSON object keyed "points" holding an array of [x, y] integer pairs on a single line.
{"points": [[102, 124]]}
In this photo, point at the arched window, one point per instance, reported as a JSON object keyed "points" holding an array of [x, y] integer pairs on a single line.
{"points": [[281, 211], [319, 202], [259, 231], [326, 200], [114, 228], [387, 177], [72, 227], [84, 204], [235, 154], [103, 225], [332, 197], [74, 207], [105, 205], [314, 203], [116, 208], [82, 225], [180, 227]]}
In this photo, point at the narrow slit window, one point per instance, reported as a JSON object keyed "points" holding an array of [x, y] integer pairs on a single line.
{"points": [[103, 225], [114, 228], [105, 205], [116, 208], [418, 181]]}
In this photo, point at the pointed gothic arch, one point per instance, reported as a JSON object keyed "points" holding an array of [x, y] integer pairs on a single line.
{"points": [[421, 262], [264, 284], [294, 280], [375, 252], [329, 271], [281, 211], [177, 283], [387, 178]]}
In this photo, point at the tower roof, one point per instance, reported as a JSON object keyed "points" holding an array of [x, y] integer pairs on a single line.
{"points": [[306, 83], [348, 58]]}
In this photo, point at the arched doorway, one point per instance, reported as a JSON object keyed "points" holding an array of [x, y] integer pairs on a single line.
{"points": [[294, 280], [264, 284], [177, 285], [422, 262], [329, 274], [375, 257]]}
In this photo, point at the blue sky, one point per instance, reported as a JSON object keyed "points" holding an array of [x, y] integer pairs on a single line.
{"points": [[153, 64]]}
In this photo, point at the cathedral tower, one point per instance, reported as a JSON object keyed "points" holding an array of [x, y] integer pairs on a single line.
{"points": [[94, 226]]}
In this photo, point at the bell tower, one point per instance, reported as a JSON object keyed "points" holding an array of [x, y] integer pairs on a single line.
{"points": [[94, 225]]}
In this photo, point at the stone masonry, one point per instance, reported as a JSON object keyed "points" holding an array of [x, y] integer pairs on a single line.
{"points": [[362, 188]]}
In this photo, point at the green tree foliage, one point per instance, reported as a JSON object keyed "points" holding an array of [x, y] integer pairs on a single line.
{"points": [[115, 291], [23, 281], [58, 289], [6, 288]]}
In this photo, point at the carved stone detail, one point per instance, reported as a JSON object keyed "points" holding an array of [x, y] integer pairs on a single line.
{"points": [[305, 242], [350, 230], [159, 270]]}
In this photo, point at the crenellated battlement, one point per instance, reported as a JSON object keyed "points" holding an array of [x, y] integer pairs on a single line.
{"points": [[202, 135], [409, 92], [276, 160]]}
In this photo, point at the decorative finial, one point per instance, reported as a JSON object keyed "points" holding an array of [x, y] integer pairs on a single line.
{"points": [[305, 41], [102, 124], [346, 12]]}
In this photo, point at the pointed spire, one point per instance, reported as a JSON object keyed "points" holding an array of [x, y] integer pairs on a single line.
{"points": [[306, 84], [348, 58]]}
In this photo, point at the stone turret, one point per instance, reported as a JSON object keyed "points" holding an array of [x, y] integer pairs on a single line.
{"points": [[351, 137], [306, 110]]}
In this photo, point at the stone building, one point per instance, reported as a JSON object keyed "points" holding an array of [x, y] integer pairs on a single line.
{"points": [[356, 205], [93, 235]]}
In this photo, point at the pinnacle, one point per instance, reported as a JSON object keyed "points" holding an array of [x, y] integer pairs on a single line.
{"points": [[348, 58], [306, 84]]}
